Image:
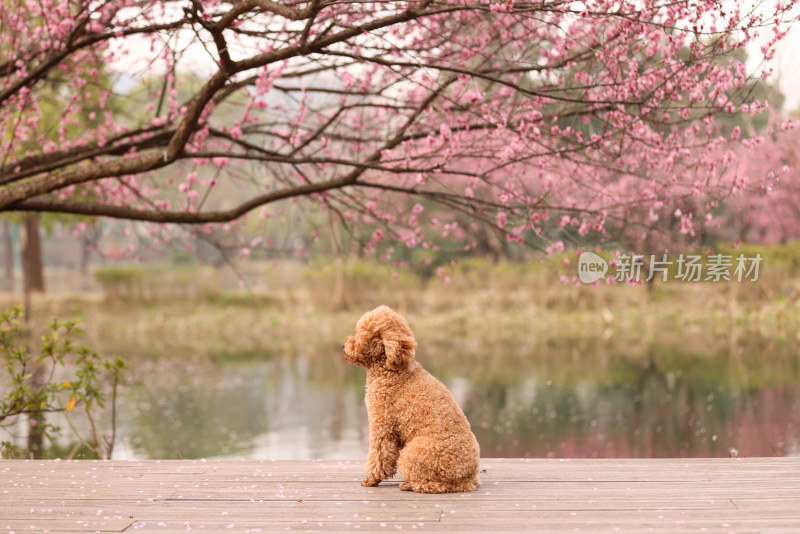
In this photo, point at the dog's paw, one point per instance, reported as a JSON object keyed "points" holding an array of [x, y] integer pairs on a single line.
{"points": [[380, 471], [406, 486], [370, 481]]}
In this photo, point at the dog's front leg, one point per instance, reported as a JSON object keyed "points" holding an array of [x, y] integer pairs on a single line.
{"points": [[382, 458]]}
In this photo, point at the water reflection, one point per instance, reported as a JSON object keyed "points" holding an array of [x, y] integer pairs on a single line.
{"points": [[254, 409], [671, 402]]}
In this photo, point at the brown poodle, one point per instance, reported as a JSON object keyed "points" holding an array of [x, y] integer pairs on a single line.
{"points": [[415, 425]]}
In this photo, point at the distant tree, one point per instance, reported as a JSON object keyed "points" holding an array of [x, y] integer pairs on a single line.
{"points": [[533, 118], [766, 212]]}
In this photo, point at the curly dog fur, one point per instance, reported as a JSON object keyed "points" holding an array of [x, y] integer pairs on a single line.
{"points": [[415, 425]]}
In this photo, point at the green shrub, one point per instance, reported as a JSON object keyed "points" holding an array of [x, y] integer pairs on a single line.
{"points": [[35, 385]]}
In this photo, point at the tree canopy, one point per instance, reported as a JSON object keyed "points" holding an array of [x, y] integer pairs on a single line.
{"points": [[538, 119]]}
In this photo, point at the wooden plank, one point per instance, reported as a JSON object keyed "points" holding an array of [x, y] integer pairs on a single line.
{"points": [[85, 466], [399, 497], [170, 488], [283, 526], [138, 509], [655, 470], [791, 503], [269, 512], [84, 512], [311, 466], [494, 486], [467, 514], [395, 495], [341, 511], [546, 527], [595, 504], [92, 494], [64, 525], [569, 525], [306, 468]]}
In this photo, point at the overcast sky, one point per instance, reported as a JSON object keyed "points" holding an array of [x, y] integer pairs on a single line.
{"points": [[787, 69]]}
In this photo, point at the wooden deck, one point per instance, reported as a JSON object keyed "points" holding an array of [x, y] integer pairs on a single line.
{"points": [[543, 496]]}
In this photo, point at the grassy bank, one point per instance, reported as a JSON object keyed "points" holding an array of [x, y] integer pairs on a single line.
{"points": [[300, 309]]}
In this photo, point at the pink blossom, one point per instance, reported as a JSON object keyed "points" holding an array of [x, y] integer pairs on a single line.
{"points": [[501, 219], [347, 79]]}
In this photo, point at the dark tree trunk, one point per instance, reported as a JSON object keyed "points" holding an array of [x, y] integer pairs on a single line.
{"points": [[492, 241], [32, 270], [33, 282], [85, 255], [36, 419], [8, 259]]}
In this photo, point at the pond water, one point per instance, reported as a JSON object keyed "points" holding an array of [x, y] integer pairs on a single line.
{"points": [[741, 398]]}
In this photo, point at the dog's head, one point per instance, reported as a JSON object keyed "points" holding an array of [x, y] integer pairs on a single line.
{"points": [[382, 338]]}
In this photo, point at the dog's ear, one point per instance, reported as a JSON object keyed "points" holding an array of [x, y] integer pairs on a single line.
{"points": [[399, 352]]}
